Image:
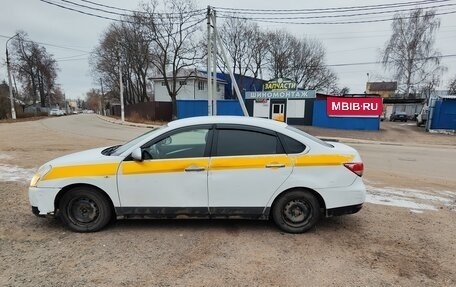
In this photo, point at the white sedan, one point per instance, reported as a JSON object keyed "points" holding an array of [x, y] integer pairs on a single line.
{"points": [[204, 167], [56, 112]]}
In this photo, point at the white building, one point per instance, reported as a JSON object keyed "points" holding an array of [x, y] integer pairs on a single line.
{"points": [[193, 86]]}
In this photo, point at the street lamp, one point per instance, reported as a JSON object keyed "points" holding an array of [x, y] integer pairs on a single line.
{"points": [[13, 111]]}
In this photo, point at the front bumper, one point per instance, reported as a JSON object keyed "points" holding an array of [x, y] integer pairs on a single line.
{"points": [[36, 211], [42, 200]]}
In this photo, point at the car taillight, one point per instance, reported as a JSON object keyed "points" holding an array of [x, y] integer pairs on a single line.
{"points": [[356, 167]]}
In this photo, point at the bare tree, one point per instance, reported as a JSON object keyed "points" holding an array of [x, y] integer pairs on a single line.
{"points": [[93, 100], [452, 87], [124, 43], [301, 60], [234, 34], [36, 70], [410, 53], [246, 46], [282, 46], [172, 29], [258, 44], [308, 68]]}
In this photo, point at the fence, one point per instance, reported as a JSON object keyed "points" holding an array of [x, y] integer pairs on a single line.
{"points": [[152, 111], [194, 108], [161, 111]]}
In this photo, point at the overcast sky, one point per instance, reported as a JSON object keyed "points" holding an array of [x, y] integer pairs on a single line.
{"points": [[78, 34]]}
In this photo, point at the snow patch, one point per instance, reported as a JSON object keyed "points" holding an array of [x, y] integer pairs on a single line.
{"points": [[416, 211], [414, 199], [15, 173], [12, 172]]}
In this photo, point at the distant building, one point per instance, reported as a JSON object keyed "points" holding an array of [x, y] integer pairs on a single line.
{"points": [[245, 84], [441, 113], [384, 89], [193, 86]]}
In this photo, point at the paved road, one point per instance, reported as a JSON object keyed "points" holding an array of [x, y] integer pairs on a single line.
{"points": [[430, 163], [385, 164], [92, 126]]}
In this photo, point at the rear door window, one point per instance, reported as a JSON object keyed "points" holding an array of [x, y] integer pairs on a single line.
{"points": [[291, 145], [233, 142]]}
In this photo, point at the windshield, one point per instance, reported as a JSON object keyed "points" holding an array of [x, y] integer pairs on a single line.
{"points": [[303, 133], [119, 150]]}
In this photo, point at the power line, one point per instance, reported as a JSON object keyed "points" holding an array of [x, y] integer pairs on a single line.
{"points": [[93, 8], [378, 62], [135, 11], [343, 15], [124, 20], [331, 23], [331, 9], [167, 15], [71, 57], [51, 45], [66, 60], [85, 13]]}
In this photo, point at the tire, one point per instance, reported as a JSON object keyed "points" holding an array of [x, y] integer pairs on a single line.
{"points": [[85, 209], [296, 211]]}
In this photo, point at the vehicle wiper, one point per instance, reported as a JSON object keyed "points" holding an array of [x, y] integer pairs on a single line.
{"points": [[110, 150]]}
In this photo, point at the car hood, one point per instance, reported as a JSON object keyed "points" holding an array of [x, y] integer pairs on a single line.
{"points": [[90, 156]]}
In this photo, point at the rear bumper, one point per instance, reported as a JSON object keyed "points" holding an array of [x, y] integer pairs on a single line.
{"points": [[343, 210]]}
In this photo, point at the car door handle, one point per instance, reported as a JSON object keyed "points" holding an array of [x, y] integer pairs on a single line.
{"points": [[194, 168], [275, 165]]}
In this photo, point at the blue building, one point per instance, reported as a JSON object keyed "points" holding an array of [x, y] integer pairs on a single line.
{"points": [[321, 118], [442, 113]]}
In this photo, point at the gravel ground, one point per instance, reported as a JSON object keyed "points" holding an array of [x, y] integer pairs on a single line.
{"points": [[379, 246]]}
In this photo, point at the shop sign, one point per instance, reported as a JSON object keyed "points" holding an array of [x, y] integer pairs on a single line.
{"points": [[299, 94], [280, 84], [354, 107]]}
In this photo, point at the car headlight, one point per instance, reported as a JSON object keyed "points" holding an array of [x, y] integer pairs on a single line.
{"points": [[42, 171]]}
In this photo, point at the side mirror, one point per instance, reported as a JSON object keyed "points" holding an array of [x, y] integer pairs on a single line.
{"points": [[167, 141], [137, 154]]}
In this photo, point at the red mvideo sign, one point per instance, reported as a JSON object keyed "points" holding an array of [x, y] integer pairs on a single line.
{"points": [[354, 107]]}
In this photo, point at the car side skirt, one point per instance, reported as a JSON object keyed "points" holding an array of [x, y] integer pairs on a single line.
{"points": [[193, 212]]}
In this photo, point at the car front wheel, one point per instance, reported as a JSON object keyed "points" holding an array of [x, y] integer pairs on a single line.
{"points": [[296, 211], [85, 209]]}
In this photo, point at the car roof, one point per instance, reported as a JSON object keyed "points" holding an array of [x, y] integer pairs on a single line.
{"points": [[251, 121]]}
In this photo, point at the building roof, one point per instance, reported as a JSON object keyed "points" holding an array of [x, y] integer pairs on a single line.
{"points": [[382, 86], [185, 74], [321, 95], [448, 97]]}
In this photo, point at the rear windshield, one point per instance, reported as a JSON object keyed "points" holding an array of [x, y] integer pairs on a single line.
{"points": [[303, 133]]}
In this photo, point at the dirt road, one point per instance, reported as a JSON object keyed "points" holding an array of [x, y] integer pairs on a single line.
{"points": [[404, 236]]}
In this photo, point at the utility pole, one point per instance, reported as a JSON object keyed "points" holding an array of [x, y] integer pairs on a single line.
{"points": [[102, 98], [13, 111], [214, 64], [209, 51], [233, 79], [122, 111]]}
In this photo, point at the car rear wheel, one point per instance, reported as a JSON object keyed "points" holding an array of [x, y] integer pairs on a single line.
{"points": [[85, 209], [296, 211]]}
